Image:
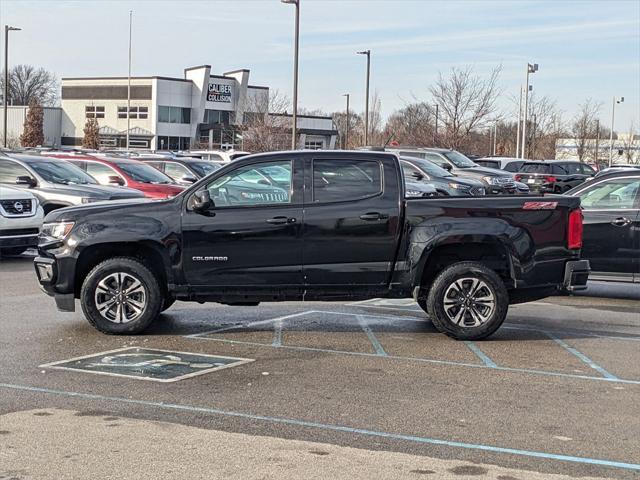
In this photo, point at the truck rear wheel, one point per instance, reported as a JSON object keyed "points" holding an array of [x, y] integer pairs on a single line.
{"points": [[121, 296], [468, 301]]}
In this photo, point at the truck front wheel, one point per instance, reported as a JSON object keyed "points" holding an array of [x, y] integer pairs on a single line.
{"points": [[121, 296], [468, 301]]}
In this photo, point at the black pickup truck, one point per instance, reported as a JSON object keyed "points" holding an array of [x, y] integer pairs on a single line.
{"points": [[332, 226]]}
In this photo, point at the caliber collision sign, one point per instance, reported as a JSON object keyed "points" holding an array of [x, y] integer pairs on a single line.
{"points": [[219, 93]]}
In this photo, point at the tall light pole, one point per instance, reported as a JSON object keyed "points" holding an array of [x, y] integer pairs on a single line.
{"points": [[7, 29], [294, 127], [346, 133], [531, 68], [519, 121], [613, 118], [366, 101], [129, 82]]}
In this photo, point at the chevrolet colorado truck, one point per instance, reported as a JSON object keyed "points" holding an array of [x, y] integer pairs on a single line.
{"points": [[333, 226]]}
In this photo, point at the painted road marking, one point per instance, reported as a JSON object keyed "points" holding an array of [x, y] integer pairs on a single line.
{"points": [[480, 354], [582, 357], [148, 364], [372, 337], [332, 427]]}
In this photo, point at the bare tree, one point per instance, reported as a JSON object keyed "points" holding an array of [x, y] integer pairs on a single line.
{"points": [[583, 128], [412, 125], [466, 102], [267, 125], [631, 146], [28, 83], [355, 124]]}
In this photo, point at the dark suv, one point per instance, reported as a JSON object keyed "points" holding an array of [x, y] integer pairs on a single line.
{"points": [[445, 183], [554, 176], [495, 181]]}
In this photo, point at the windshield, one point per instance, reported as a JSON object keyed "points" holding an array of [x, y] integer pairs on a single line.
{"points": [[61, 172], [427, 167], [204, 168], [535, 168], [140, 172], [459, 160]]}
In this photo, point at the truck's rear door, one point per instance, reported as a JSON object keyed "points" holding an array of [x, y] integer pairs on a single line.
{"points": [[351, 219]]}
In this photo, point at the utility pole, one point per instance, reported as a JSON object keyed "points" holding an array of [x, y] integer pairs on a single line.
{"points": [[346, 133], [530, 69], [613, 118], [129, 82], [519, 121], [7, 29], [366, 102], [294, 126]]}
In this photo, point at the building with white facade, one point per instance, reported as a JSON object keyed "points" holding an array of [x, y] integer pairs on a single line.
{"points": [[626, 149], [199, 110], [16, 117]]}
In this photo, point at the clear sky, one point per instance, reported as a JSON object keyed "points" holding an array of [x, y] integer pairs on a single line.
{"points": [[584, 48]]}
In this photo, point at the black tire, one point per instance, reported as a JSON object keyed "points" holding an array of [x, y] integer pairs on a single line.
{"points": [[133, 268], [490, 283], [168, 301]]}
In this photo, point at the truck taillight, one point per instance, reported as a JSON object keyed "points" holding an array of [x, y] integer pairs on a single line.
{"points": [[574, 232], [550, 179]]}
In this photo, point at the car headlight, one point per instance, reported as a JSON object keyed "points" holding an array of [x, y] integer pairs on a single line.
{"points": [[56, 230], [459, 186], [89, 199]]}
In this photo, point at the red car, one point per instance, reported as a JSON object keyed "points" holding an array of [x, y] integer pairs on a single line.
{"points": [[125, 172]]}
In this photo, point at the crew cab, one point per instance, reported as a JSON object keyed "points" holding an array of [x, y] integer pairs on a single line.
{"points": [[333, 225]]}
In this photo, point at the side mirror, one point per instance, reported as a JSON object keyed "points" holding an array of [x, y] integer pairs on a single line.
{"points": [[26, 180], [417, 175], [201, 201], [115, 180], [447, 167], [188, 179]]}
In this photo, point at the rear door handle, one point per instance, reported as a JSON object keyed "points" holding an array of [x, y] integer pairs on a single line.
{"points": [[621, 222], [373, 216], [281, 220]]}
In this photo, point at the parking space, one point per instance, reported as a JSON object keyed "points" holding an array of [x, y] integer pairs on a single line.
{"points": [[555, 391]]}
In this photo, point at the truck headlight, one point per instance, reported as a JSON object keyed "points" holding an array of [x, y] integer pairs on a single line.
{"points": [[56, 230], [459, 186], [89, 199]]}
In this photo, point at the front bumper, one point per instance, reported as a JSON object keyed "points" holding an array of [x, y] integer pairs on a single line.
{"points": [[47, 272], [576, 274], [13, 241]]}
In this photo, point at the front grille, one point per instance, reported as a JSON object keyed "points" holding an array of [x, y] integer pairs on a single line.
{"points": [[506, 182], [18, 206], [19, 231]]}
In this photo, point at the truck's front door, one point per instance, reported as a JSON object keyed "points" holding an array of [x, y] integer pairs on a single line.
{"points": [[251, 237], [351, 226]]}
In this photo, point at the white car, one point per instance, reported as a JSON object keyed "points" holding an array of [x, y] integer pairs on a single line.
{"points": [[21, 217], [217, 155]]}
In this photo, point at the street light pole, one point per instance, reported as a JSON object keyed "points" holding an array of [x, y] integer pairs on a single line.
{"points": [[7, 29], [346, 134], [613, 117], [294, 127], [530, 69], [519, 120], [129, 82], [366, 103]]}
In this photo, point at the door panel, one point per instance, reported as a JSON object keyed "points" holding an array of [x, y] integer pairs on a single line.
{"points": [[351, 223], [253, 234]]}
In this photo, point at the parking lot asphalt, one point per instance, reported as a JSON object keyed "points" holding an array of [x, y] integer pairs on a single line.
{"points": [[554, 392]]}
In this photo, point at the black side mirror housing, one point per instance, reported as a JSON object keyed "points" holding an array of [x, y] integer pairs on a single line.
{"points": [[26, 180], [447, 167], [189, 179], [116, 180], [417, 176], [201, 201]]}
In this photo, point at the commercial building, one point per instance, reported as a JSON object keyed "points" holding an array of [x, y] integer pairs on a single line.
{"points": [[626, 149], [16, 116], [199, 110]]}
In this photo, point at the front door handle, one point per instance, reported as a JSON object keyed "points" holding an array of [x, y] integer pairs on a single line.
{"points": [[621, 222], [281, 220], [373, 216]]}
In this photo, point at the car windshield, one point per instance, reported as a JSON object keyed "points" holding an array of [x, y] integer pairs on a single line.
{"points": [[204, 168], [535, 168], [459, 160], [61, 172], [140, 172], [427, 167]]}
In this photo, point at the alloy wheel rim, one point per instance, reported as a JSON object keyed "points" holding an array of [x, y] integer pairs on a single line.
{"points": [[120, 297], [469, 302]]}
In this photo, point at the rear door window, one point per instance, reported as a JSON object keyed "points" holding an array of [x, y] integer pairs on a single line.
{"points": [[559, 169], [346, 180], [573, 168], [513, 166]]}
